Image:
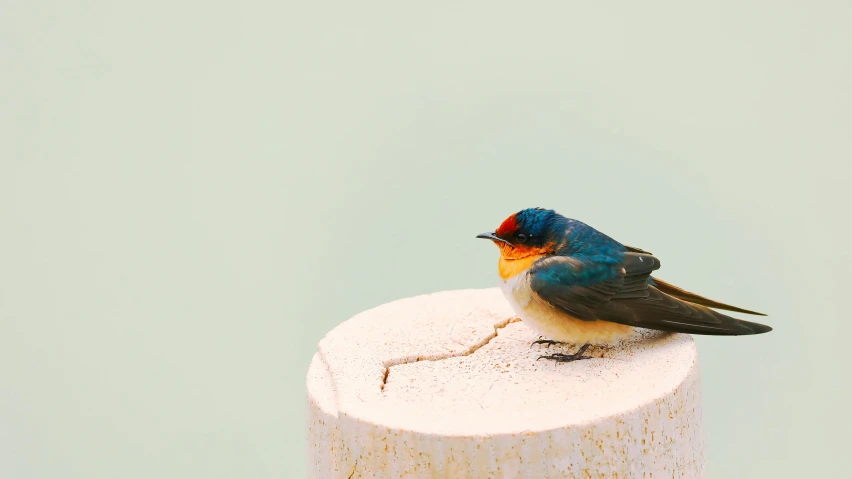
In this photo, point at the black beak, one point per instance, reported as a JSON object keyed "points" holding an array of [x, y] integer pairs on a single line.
{"points": [[492, 237]]}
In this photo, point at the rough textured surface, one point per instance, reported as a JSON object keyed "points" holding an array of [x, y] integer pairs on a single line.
{"points": [[447, 385]]}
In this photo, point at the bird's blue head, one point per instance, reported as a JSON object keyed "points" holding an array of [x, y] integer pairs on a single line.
{"points": [[537, 232], [529, 232]]}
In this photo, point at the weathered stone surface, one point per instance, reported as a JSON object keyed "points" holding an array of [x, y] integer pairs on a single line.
{"points": [[447, 385]]}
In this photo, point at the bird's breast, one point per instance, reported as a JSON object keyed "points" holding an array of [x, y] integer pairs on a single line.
{"points": [[515, 281]]}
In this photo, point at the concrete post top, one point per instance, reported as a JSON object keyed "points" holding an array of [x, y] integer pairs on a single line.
{"points": [[458, 364]]}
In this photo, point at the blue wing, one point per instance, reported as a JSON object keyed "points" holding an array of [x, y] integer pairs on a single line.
{"points": [[620, 291], [580, 286]]}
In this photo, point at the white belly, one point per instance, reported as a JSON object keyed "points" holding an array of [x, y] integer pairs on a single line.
{"points": [[517, 291]]}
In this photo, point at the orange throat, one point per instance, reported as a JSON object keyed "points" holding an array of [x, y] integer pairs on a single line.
{"points": [[516, 260]]}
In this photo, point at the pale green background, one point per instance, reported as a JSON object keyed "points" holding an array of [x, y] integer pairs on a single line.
{"points": [[192, 193]]}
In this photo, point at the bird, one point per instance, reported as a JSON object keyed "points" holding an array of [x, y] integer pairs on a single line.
{"points": [[573, 284]]}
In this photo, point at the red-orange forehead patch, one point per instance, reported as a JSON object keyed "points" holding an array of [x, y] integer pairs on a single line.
{"points": [[510, 225]]}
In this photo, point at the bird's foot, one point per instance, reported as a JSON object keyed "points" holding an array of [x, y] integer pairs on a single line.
{"points": [[564, 358], [548, 342], [567, 358]]}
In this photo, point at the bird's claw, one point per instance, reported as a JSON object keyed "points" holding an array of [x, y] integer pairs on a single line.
{"points": [[567, 358], [564, 358], [548, 342]]}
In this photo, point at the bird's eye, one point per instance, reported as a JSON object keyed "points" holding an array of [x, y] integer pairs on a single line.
{"points": [[521, 237]]}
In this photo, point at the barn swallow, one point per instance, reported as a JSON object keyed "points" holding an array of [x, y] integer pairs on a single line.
{"points": [[573, 284]]}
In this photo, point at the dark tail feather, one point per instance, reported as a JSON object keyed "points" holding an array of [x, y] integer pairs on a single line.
{"points": [[726, 326], [756, 327], [663, 312], [685, 295]]}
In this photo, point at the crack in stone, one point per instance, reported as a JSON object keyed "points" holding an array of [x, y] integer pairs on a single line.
{"points": [[438, 357]]}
